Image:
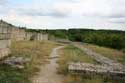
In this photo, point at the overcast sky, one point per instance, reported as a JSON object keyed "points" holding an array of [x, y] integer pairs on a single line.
{"points": [[58, 14]]}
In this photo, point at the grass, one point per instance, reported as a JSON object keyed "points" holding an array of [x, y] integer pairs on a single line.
{"points": [[123, 50], [108, 52], [73, 54], [36, 51], [12, 75]]}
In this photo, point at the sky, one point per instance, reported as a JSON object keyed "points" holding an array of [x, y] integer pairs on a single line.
{"points": [[64, 14]]}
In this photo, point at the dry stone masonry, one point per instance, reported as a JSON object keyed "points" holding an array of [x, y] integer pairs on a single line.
{"points": [[18, 34], [107, 66], [4, 40], [10, 33]]}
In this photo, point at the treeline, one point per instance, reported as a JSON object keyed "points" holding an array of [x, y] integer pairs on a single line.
{"points": [[109, 38]]}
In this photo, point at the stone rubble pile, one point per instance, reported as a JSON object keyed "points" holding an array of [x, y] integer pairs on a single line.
{"points": [[91, 68], [16, 62]]}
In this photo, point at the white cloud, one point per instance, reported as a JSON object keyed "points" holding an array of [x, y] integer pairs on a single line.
{"points": [[3, 2], [72, 13]]}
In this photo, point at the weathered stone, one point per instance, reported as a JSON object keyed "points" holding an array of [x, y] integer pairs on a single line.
{"points": [[100, 58], [18, 34], [91, 68], [4, 39], [10, 32], [4, 52], [107, 65], [17, 62]]}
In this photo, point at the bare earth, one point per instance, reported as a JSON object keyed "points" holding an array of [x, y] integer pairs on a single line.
{"points": [[48, 73]]}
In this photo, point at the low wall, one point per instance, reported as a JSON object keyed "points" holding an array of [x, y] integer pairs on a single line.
{"points": [[4, 48], [86, 68]]}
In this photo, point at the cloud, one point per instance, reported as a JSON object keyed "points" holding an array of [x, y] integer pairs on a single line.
{"points": [[73, 13], [117, 20], [42, 12], [100, 8], [3, 2]]}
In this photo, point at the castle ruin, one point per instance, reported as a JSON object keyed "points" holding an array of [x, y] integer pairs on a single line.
{"points": [[10, 33]]}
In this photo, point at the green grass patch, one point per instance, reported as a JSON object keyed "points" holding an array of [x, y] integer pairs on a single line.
{"points": [[12, 75]]}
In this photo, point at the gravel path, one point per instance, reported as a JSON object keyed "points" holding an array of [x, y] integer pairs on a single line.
{"points": [[48, 73]]}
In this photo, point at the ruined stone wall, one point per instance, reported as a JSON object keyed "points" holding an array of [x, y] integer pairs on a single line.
{"points": [[10, 33], [4, 48], [17, 34], [28, 36], [36, 36], [4, 27], [41, 36], [4, 39]]}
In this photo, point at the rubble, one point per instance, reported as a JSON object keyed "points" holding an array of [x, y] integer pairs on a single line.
{"points": [[106, 66], [16, 62], [91, 68]]}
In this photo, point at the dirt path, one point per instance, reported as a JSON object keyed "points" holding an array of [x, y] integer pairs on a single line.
{"points": [[48, 73]]}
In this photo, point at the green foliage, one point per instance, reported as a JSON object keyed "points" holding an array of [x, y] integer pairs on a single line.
{"points": [[12, 75], [58, 33], [123, 50], [108, 38]]}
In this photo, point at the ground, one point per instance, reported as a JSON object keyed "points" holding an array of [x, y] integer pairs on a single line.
{"points": [[36, 51], [49, 63], [73, 54], [48, 73]]}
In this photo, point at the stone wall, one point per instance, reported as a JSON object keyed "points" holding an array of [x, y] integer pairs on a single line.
{"points": [[4, 48], [41, 36], [36, 36], [4, 39], [17, 34], [28, 35], [4, 44], [10, 33]]}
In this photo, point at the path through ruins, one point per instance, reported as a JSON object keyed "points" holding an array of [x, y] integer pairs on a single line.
{"points": [[48, 73]]}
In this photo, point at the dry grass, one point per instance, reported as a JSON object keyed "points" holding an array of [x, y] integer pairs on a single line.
{"points": [[108, 52], [36, 51], [71, 53]]}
